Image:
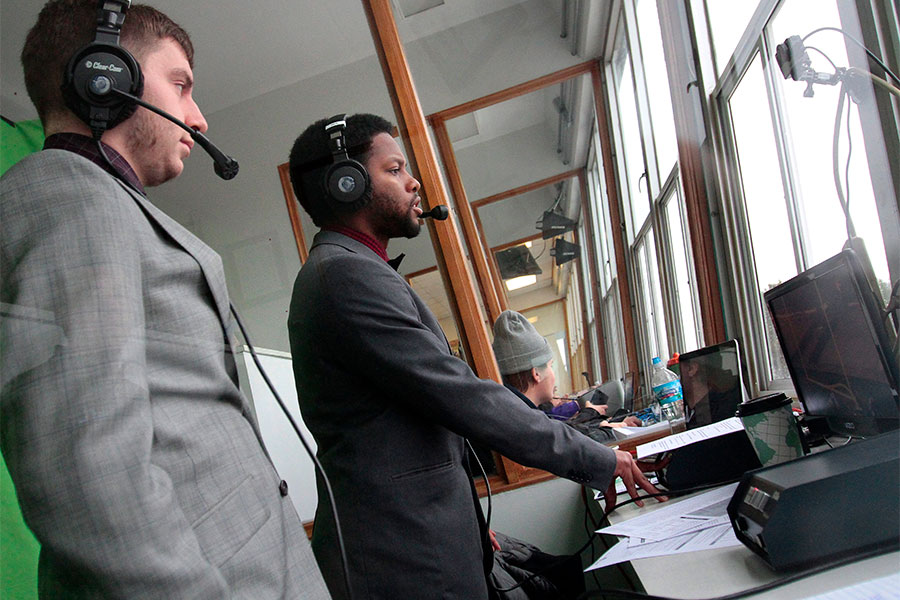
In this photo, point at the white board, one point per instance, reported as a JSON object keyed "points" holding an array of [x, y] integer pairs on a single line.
{"points": [[291, 460]]}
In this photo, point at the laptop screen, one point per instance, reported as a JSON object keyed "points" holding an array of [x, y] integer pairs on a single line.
{"points": [[711, 383]]}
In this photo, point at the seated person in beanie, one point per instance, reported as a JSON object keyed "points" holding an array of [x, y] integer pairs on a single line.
{"points": [[525, 362]]}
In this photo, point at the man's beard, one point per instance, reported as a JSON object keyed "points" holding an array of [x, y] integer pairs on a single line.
{"points": [[393, 219], [145, 145]]}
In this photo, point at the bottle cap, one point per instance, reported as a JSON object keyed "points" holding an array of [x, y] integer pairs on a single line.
{"points": [[656, 360]]}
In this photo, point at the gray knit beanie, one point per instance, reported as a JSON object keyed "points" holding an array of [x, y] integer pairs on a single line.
{"points": [[517, 344]]}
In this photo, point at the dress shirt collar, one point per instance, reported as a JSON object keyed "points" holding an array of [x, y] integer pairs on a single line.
{"points": [[86, 147], [362, 238]]}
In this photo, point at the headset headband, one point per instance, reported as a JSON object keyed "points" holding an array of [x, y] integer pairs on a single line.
{"points": [[110, 17]]}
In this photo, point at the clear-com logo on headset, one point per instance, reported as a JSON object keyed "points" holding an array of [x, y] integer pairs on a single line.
{"points": [[96, 64]]}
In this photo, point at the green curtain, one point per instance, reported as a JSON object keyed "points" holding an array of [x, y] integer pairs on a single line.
{"points": [[18, 548]]}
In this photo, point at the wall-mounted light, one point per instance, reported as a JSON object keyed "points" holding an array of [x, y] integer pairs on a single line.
{"points": [[564, 251], [553, 224]]}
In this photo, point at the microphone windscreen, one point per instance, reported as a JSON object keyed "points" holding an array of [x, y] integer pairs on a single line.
{"points": [[439, 212]]}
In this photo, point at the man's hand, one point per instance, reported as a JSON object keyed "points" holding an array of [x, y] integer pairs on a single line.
{"points": [[494, 543], [600, 408], [631, 473]]}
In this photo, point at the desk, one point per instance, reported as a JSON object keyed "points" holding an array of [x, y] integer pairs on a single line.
{"points": [[717, 572], [631, 443]]}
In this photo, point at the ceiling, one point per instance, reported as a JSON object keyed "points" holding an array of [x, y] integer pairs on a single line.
{"points": [[317, 36], [271, 44]]}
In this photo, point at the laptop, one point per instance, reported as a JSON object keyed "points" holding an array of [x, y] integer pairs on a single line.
{"points": [[712, 383]]}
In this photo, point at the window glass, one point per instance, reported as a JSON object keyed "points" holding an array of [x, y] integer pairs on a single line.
{"points": [[585, 269], [684, 302], [727, 21], [599, 212], [615, 343], [657, 81], [658, 314], [647, 327], [630, 134], [761, 182], [810, 126], [764, 198]]}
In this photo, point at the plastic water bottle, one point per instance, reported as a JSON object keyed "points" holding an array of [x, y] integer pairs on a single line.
{"points": [[666, 391]]}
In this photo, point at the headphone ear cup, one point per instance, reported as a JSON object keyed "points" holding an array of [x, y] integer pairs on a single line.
{"points": [[88, 81], [346, 181]]}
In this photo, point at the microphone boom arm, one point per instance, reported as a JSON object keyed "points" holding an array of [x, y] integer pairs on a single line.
{"points": [[224, 166]]}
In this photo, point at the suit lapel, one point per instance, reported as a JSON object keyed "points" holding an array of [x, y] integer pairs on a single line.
{"points": [[425, 315], [209, 262]]}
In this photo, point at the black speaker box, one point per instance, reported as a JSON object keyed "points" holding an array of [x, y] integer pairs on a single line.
{"points": [[822, 507]]}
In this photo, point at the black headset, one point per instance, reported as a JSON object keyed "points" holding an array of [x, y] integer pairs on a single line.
{"points": [[98, 68], [347, 180]]}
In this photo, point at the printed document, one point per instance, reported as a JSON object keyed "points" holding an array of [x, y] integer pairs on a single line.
{"points": [[690, 436], [697, 523]]}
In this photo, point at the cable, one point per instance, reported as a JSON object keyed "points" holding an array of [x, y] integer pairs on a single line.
{"points": [[858, 43], [833, 66], [487, 485], [312, 455], [543, 249], [849, 154], [851, 231]]}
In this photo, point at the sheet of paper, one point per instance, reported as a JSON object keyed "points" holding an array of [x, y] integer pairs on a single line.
{"points": [[690, 436], [692, 514], [720, 536], [883, 588], [627, 432], [620, 486]]}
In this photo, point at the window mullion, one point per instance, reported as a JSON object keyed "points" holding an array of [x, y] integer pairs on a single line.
{"points": [[786, 157]]}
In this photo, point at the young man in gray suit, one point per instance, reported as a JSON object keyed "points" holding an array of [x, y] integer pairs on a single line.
{"points": [[387, 402], [136, 459]]}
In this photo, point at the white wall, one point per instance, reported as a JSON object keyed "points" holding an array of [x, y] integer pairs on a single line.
{"points": [[287, 452]]}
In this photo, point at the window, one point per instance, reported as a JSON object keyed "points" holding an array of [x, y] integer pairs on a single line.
{"points": [[660, 257], [784, 202], [605, 259], [727, 22]]}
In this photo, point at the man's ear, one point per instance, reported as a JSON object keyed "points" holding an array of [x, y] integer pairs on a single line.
{"points": [[535, 375]]}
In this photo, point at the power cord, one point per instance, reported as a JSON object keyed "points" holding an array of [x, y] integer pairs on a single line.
{"points": [[871, 54], [487, 484], [312, 455]]}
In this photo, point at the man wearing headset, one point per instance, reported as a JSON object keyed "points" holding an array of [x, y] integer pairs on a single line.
{"points": [[136, 459], [388, 404]]}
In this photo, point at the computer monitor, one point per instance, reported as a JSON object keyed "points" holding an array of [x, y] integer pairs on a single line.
{"points": [[837, 346], [711, 382]]}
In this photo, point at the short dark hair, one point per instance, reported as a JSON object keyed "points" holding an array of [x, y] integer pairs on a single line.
{"points": [[65, 26], [311, 158], [522, 380]]}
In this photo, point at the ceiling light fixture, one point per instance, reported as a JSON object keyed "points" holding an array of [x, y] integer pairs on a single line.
{"points": [[520, 282]]}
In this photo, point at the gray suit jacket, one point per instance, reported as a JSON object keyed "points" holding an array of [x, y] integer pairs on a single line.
{"points": [[136, 459], [389, 407]]}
